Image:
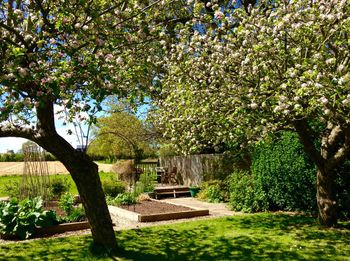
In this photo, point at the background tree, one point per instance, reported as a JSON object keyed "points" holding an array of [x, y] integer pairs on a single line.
{"points": [[68, 56], [284, 67], [122, 135]]}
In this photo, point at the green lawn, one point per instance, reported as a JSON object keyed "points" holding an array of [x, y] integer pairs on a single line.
{"points": [[17, 178], [245, 237]]}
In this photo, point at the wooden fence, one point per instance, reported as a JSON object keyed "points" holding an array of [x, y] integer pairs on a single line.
{"points": [[194, 169], [148, 167]]}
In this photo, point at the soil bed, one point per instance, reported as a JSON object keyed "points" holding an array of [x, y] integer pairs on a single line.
{"points": [[154, 207]]}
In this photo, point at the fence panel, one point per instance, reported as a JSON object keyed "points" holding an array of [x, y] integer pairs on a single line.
{"points": [[194, 169]]}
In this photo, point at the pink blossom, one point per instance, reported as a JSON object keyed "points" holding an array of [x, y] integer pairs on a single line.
{"points": [[219, 15]]}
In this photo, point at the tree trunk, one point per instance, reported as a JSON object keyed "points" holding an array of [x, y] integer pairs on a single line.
{"points": [[326, 159], [326, 203], [85, 175]]}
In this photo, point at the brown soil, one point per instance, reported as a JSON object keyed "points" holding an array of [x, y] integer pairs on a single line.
{"points": [[53, 205], [155, 207]]}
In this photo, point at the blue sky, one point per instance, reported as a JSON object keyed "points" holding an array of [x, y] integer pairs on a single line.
{"points": [[16, 143]]}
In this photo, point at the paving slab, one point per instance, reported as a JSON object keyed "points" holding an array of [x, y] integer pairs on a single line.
{"points": [[215, 209]]}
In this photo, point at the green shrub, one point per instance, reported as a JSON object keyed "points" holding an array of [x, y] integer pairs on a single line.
{"points": [[122, 199], [76, 215], [113, 187], [146, 183], [20, 219], [342, 188], [66, 203], [59, 186], [285, 173], [245, 194], [213, 191]]}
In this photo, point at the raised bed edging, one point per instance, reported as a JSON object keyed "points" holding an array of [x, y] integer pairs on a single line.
{"points": [[61, 228], [195, 212]]}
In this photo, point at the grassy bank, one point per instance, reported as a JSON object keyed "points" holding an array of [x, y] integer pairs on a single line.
{"points": [[16, 179], [246, 237]]}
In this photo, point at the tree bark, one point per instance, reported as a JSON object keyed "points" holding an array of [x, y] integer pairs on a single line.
{"points": [[325, 194], [85, 175], [326, 202]]}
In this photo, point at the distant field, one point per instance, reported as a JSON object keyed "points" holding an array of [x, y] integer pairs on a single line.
{"points": [[6, 180], [55, 167]]}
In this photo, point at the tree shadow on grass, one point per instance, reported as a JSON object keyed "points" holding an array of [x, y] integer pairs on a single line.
{"points": [[67, 248], [258, 240], [200, 244]]}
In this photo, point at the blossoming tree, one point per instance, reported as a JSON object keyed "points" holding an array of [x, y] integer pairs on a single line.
{"points": [[69, 55], [285, 66]]}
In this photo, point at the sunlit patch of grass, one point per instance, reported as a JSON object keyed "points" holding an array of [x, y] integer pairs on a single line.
{"points": [[246, 237]]}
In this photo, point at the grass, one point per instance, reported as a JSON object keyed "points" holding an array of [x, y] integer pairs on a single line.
{"points": [[16, 179], [245, 237]]}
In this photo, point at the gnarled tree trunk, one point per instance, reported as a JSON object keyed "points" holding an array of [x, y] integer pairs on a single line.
{"points": [[84, 173], [326, 201], [335, 147]]}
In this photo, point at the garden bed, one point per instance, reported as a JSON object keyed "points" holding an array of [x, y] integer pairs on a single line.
{"points": [[154, 210]]}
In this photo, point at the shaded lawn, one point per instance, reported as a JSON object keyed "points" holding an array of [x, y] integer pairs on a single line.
{"points": [[8, 179], [245, 237]]}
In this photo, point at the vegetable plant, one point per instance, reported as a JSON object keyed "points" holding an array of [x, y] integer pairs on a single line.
{"points": [[20, 219]]}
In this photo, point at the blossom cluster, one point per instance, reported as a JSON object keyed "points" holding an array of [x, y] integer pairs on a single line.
{"points": [[277, 64]]}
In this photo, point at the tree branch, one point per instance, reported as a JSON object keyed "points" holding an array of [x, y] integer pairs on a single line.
{"points": [[17, 131], [342, 153], [306, 138]]}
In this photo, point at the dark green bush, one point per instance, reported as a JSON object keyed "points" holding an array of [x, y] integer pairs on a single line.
{"points": [[245, 194], [20, 219], [214, 191], [113, 187], [59, 186], [285, 174], [342, 187]]}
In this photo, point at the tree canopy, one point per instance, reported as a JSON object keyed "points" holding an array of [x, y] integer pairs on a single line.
{"points": [[122, 135], [285, 65], [61, 55]]}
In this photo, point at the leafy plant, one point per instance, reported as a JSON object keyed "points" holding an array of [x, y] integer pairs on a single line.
{"points": [[122, 199], [58, 187], [113, 187], [20, 219], [73, 213], [285, 173], [76, 215], [245, 194], [213, 191], [146, 183], [66, 203]]}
